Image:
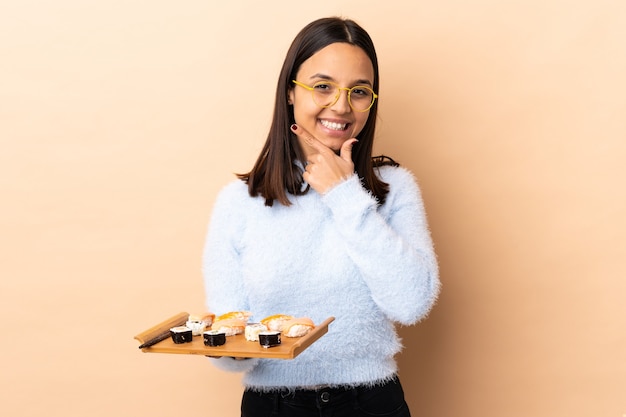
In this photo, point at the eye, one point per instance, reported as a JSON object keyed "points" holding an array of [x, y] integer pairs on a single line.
{"points": [[361, 92], [323, 87]]}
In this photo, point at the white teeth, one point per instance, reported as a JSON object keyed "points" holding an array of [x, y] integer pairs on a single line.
{"points": [[333, 125]]}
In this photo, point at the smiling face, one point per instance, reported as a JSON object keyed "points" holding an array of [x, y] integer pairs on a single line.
{"points": [[346, 65]]}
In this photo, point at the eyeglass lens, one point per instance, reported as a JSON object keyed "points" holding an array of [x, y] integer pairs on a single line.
{"points": [[326, 94]]}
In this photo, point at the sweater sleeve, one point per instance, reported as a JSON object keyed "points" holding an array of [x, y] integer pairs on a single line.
{"points": [[221, 266], [391, 245]]}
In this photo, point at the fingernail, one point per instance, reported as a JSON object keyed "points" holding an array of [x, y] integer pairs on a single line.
{"points": [[294, 127]]}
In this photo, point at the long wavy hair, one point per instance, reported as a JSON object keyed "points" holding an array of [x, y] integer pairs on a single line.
{"points": [[274, 174]]}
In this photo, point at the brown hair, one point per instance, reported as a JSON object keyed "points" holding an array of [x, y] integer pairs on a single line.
{"points": [[274, 174]]}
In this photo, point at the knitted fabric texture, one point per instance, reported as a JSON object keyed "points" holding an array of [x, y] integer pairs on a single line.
{"points": [[338, 254]]}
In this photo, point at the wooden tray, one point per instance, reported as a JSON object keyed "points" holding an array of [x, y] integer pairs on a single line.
{"points": [[236, 346]]}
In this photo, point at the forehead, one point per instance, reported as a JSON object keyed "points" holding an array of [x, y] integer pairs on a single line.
{"points": [[339, 61]]}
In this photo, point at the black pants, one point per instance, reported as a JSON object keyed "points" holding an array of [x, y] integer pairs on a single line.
{"points": [[381, 401]]}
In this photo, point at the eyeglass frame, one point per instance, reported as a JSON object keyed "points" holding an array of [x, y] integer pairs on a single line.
{"points": [[348, 89]]}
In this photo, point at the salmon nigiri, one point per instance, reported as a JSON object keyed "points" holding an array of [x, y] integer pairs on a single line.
{"points": [[275, 322], [242, 315], [229, 326], [297, 327]]}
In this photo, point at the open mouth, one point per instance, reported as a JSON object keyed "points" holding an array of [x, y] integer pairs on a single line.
{"points": [[334, 125]]}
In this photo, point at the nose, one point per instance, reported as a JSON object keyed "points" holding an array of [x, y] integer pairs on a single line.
{"points": [[342, 105]]}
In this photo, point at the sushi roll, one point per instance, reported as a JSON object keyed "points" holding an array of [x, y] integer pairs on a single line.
{"points": [[196, 326], [252, 331], [181, 334], [214, 338]]}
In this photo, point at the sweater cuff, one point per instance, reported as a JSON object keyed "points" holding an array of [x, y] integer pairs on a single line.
{"points": [[349, 196]]}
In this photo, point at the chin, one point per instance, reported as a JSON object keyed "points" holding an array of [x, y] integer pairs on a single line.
{"points": [[334, 145]]}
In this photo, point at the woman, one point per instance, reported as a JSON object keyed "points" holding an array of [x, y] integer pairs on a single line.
{"points": [[319, 228]]}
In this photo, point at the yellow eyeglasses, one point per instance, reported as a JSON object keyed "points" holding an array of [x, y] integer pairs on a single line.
{"points": [[326, 93]]}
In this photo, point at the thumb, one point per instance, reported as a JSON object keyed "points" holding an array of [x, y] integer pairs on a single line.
{"points": [[346, 149]]}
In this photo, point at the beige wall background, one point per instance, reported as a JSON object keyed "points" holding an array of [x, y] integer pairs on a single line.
{"points": [[120, 121]]}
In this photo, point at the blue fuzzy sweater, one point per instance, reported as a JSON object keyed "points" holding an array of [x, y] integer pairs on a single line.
{"points": [[334, 255]]}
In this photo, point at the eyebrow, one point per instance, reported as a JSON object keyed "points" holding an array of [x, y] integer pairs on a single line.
{"points": [[329, 78]]}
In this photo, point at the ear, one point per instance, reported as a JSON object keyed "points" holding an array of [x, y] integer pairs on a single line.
{"points": [[290, 97]]}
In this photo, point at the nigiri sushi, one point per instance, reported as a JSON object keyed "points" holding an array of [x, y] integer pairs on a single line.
{"points": [[274, 323], [297, 327], [242, 315], [229, 326]]}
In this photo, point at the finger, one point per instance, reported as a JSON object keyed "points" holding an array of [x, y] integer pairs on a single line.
{"points": [[346, 149], [309, 139]]}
